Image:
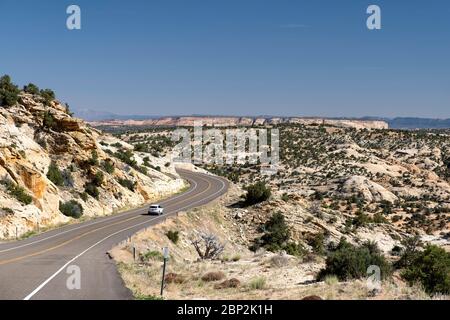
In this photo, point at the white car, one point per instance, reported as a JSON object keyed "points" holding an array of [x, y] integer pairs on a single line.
{"points": [[155, 209]]}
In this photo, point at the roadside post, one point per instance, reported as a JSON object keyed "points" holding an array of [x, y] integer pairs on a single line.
{"points": [[166, 257]]}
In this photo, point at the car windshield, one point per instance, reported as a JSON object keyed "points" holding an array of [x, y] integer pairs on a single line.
{"points": [[154, 207]]}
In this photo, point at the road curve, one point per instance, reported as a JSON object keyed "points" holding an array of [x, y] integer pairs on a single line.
{"points": [[39, 267]]}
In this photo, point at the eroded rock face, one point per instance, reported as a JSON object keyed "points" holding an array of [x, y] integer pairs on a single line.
{"points": [[246, 121], [28, 144], [369, 190]]}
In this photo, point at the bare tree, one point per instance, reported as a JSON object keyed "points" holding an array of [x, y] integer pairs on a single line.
{"points": [[208, 246]]}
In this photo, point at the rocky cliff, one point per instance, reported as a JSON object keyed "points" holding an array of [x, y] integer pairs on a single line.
{"points": [[245, 121], [51, 163]]}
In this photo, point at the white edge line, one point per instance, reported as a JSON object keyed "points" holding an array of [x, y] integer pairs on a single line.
{"points": [[43, 284]]}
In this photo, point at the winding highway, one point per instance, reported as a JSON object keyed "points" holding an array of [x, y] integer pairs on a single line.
{"points": [[39, 267]]}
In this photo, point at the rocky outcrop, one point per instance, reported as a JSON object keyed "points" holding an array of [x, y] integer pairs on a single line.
{"points": [[369, 190], [33, 135], [245, 121]]}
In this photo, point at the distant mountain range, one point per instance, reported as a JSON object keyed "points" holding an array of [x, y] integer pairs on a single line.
{"points": [[394, 123]]}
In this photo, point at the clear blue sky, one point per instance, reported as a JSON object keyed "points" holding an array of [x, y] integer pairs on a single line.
{"points": [[242, 57]]}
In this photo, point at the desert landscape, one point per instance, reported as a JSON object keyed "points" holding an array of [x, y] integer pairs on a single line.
{"points": [[385, 189]]}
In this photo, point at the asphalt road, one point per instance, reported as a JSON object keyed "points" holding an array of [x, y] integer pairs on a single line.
{"points": [[40, 267]]}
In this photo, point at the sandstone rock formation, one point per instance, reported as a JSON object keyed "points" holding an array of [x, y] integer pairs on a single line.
{"points": [[244, 121], [33, 135]]}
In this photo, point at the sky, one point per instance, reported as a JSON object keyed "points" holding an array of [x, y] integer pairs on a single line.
{"points": [[234, 57]]}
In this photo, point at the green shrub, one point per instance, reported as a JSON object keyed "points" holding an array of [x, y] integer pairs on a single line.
{"points": [[17, 192], [173, 236], [98, 178], [48, 121], [84, 196], [236, 257], [92, 190], [349, 262], [48, 96], [151, 255], [258, 283], [294, 249], [276, 234], [31, 88], [9, 92], [430, 268], [71, 209], [409, 251], [108, 166], [361, 220], [93, 161], [126, 156], [256, 193], [317, 242], [8, 210], [130, 185], [55, 175], [331, 280]]}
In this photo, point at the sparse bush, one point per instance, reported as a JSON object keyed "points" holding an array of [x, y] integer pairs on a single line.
{"points": [[9, 92], [126, 156], [98, 178], [409, 251], [430, 268], [91, 190], [93, 161], [317, 242], [174, 278], [349, 262], [71, 208], [256, 193], [279, 260], [276, 232], [17, 192], [276, 237], [48, 95], [173, 236], [294, 249], [48, 121], [31, 88], [84, 196], [151, 255], [55, 175], [8, 211], [230, 283], [208, 246], [379, 218], [236, 258], [213, 276], [108, 166], [257, 283], [331, 280], [130, 185]]}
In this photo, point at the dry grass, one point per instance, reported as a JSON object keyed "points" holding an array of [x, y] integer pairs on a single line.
{"points": [[262, 275]]}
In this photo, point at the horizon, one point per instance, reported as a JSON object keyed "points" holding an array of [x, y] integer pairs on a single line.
{"points": [[148, 116], [290, 58]]}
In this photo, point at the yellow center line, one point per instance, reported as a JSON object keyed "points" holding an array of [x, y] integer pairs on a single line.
{"points": [[92, 231], [195, 195], [64, 243]]}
